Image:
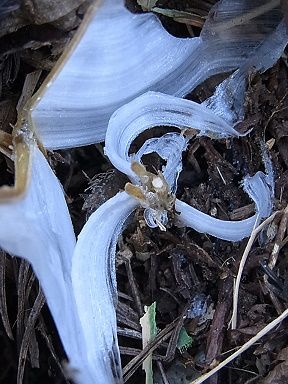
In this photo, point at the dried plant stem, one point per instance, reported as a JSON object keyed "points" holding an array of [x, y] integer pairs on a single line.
{"points": [[3, 304], [23, 277], [279, 238], [22, 169], [134, 289], [242, 19], [33, 317], [254, 233], [41, 327], [244, 347], [163, 374]]}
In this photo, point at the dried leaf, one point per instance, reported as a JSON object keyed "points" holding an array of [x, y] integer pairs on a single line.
{"points": [[181, 16], [283, 354], [28, 89], [278, 375], [147, 5]]}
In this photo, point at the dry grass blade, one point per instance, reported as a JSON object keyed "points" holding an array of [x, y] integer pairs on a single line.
{"points": [[23, 276], [242, 264], [3, 303], [162, 372], [6, 144], [170, 353], [242, 349], [28, 89], [134, 288], [29, 285], [33, 345], [33, 316], [34, 350], [41, 327]]}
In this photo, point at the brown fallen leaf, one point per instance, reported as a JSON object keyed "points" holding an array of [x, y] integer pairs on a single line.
{"points": [[37, 12], [279, 373]]}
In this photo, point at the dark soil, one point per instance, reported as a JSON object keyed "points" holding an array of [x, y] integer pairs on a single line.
{"points": [[187, 274]]}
